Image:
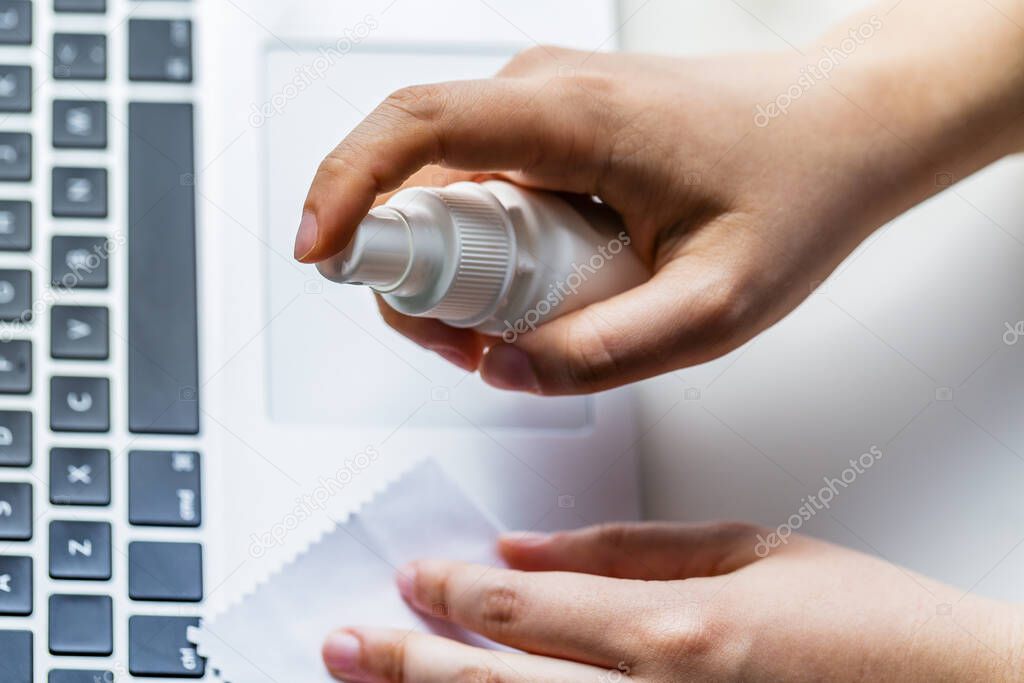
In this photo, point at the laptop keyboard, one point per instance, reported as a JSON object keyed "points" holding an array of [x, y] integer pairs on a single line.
{"points": [[101, 564]]}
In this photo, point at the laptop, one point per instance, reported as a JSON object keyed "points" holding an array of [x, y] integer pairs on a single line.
{"points": [[182, 406]]}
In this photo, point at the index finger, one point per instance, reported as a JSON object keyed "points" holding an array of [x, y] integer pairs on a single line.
{"points": [[557, 614], [364, 655], [428, 176], [493, 124]]}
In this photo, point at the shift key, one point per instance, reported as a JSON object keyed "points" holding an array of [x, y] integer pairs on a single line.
{"points": [[164, 488]]}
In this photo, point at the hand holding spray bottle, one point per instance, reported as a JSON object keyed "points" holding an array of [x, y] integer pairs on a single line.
{"points": [[494, 256]]}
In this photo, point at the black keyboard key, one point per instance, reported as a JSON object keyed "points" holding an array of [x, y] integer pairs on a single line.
{"points": [[15, 22], [15, 295], [164, 488], [96, 6], [79, 124], [163, 373], [79, 192], [15, 156], [81, 625], [160, 50], [159, 646], [15, 585], [15, 225], [79, 404], [15, 89], [80, 56], [80, 676], [16, 656], [79, 332], [15, 367], [80, 550], [15, 438], [165, 571], [79, 262], [79, 476], [15, 511]]}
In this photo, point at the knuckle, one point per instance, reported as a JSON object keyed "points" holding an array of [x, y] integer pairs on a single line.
{"points": [[421, 102], [501, 608], [477, 673], [734, 541], [588, 84], [334, 166], [432, 589], [438, 598], [691, 637], [598, 102], [591, 353], [545, 59], [630, 141], [392, 662], [346, 163], [731, 530], [613, 536], [724, 306], [530, 58]]}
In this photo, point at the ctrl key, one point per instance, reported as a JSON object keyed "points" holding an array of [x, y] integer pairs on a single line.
{"points": [[159, 646], [16, 656]]}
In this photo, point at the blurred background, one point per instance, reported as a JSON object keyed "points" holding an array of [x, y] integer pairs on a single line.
{"points": [[908, 347]]}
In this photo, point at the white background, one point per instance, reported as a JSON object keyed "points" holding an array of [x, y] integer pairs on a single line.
{"points": [[920, 308]]}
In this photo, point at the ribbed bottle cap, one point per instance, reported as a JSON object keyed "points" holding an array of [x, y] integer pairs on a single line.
{"points": [[485, 245]]}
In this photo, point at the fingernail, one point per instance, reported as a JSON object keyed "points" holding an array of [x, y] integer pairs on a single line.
{"points": [[341, 652], [507, 367], [305, 240], [455, 357], [405, 579], [525, 538]]}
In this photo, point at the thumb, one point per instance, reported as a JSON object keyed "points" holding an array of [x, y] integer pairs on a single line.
{"points": [[687, 313]]}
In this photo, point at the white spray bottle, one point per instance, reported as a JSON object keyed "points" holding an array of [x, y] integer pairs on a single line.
{"points": [[493, 256]]}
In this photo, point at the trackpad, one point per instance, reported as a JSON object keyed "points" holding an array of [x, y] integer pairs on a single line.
{"points": [[331, 358]]}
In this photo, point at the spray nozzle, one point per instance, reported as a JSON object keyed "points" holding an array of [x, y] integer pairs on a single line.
{"points": [[461, 254], [377, 256]]}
